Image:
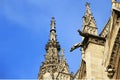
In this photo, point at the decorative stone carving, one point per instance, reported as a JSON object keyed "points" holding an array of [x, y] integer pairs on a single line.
{"points": [[75, 46], [114, 55], [52, 64], [110, 71], [116, 6], [53, 44], [89, 24], [97, 41]]}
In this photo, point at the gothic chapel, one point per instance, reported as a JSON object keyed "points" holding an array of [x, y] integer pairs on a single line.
{"points": [[100, 52]]}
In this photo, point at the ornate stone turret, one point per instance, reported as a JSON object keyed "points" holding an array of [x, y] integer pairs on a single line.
{"points": [[52, 47], [53, 41], [53, 67], [52, 59], [89, 25]]}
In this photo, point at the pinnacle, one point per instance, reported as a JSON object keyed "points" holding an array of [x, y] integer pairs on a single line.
{"points": [[88, 8], [89, 20]]}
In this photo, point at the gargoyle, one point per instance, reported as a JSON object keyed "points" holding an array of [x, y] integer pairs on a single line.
{"points": [[75, 46]]}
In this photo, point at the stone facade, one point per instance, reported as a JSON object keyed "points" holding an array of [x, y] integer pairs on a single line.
{"points": [[100, 53]]}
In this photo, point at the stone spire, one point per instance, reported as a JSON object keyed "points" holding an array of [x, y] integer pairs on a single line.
{"points": [[53, 30], [52, 58], [52, 47], [89, 24], [53, 41], [53, 68]]}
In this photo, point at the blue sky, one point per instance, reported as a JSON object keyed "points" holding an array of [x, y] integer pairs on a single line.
{"points": [[24, 32]]}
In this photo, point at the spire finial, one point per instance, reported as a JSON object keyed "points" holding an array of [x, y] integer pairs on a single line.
{"points": [[53, 31], [88, 8], [87, 4], [53, 23]]}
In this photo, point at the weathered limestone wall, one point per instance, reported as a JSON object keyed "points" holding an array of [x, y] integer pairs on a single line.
{"points": [[94, 56], [110, 41]]}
